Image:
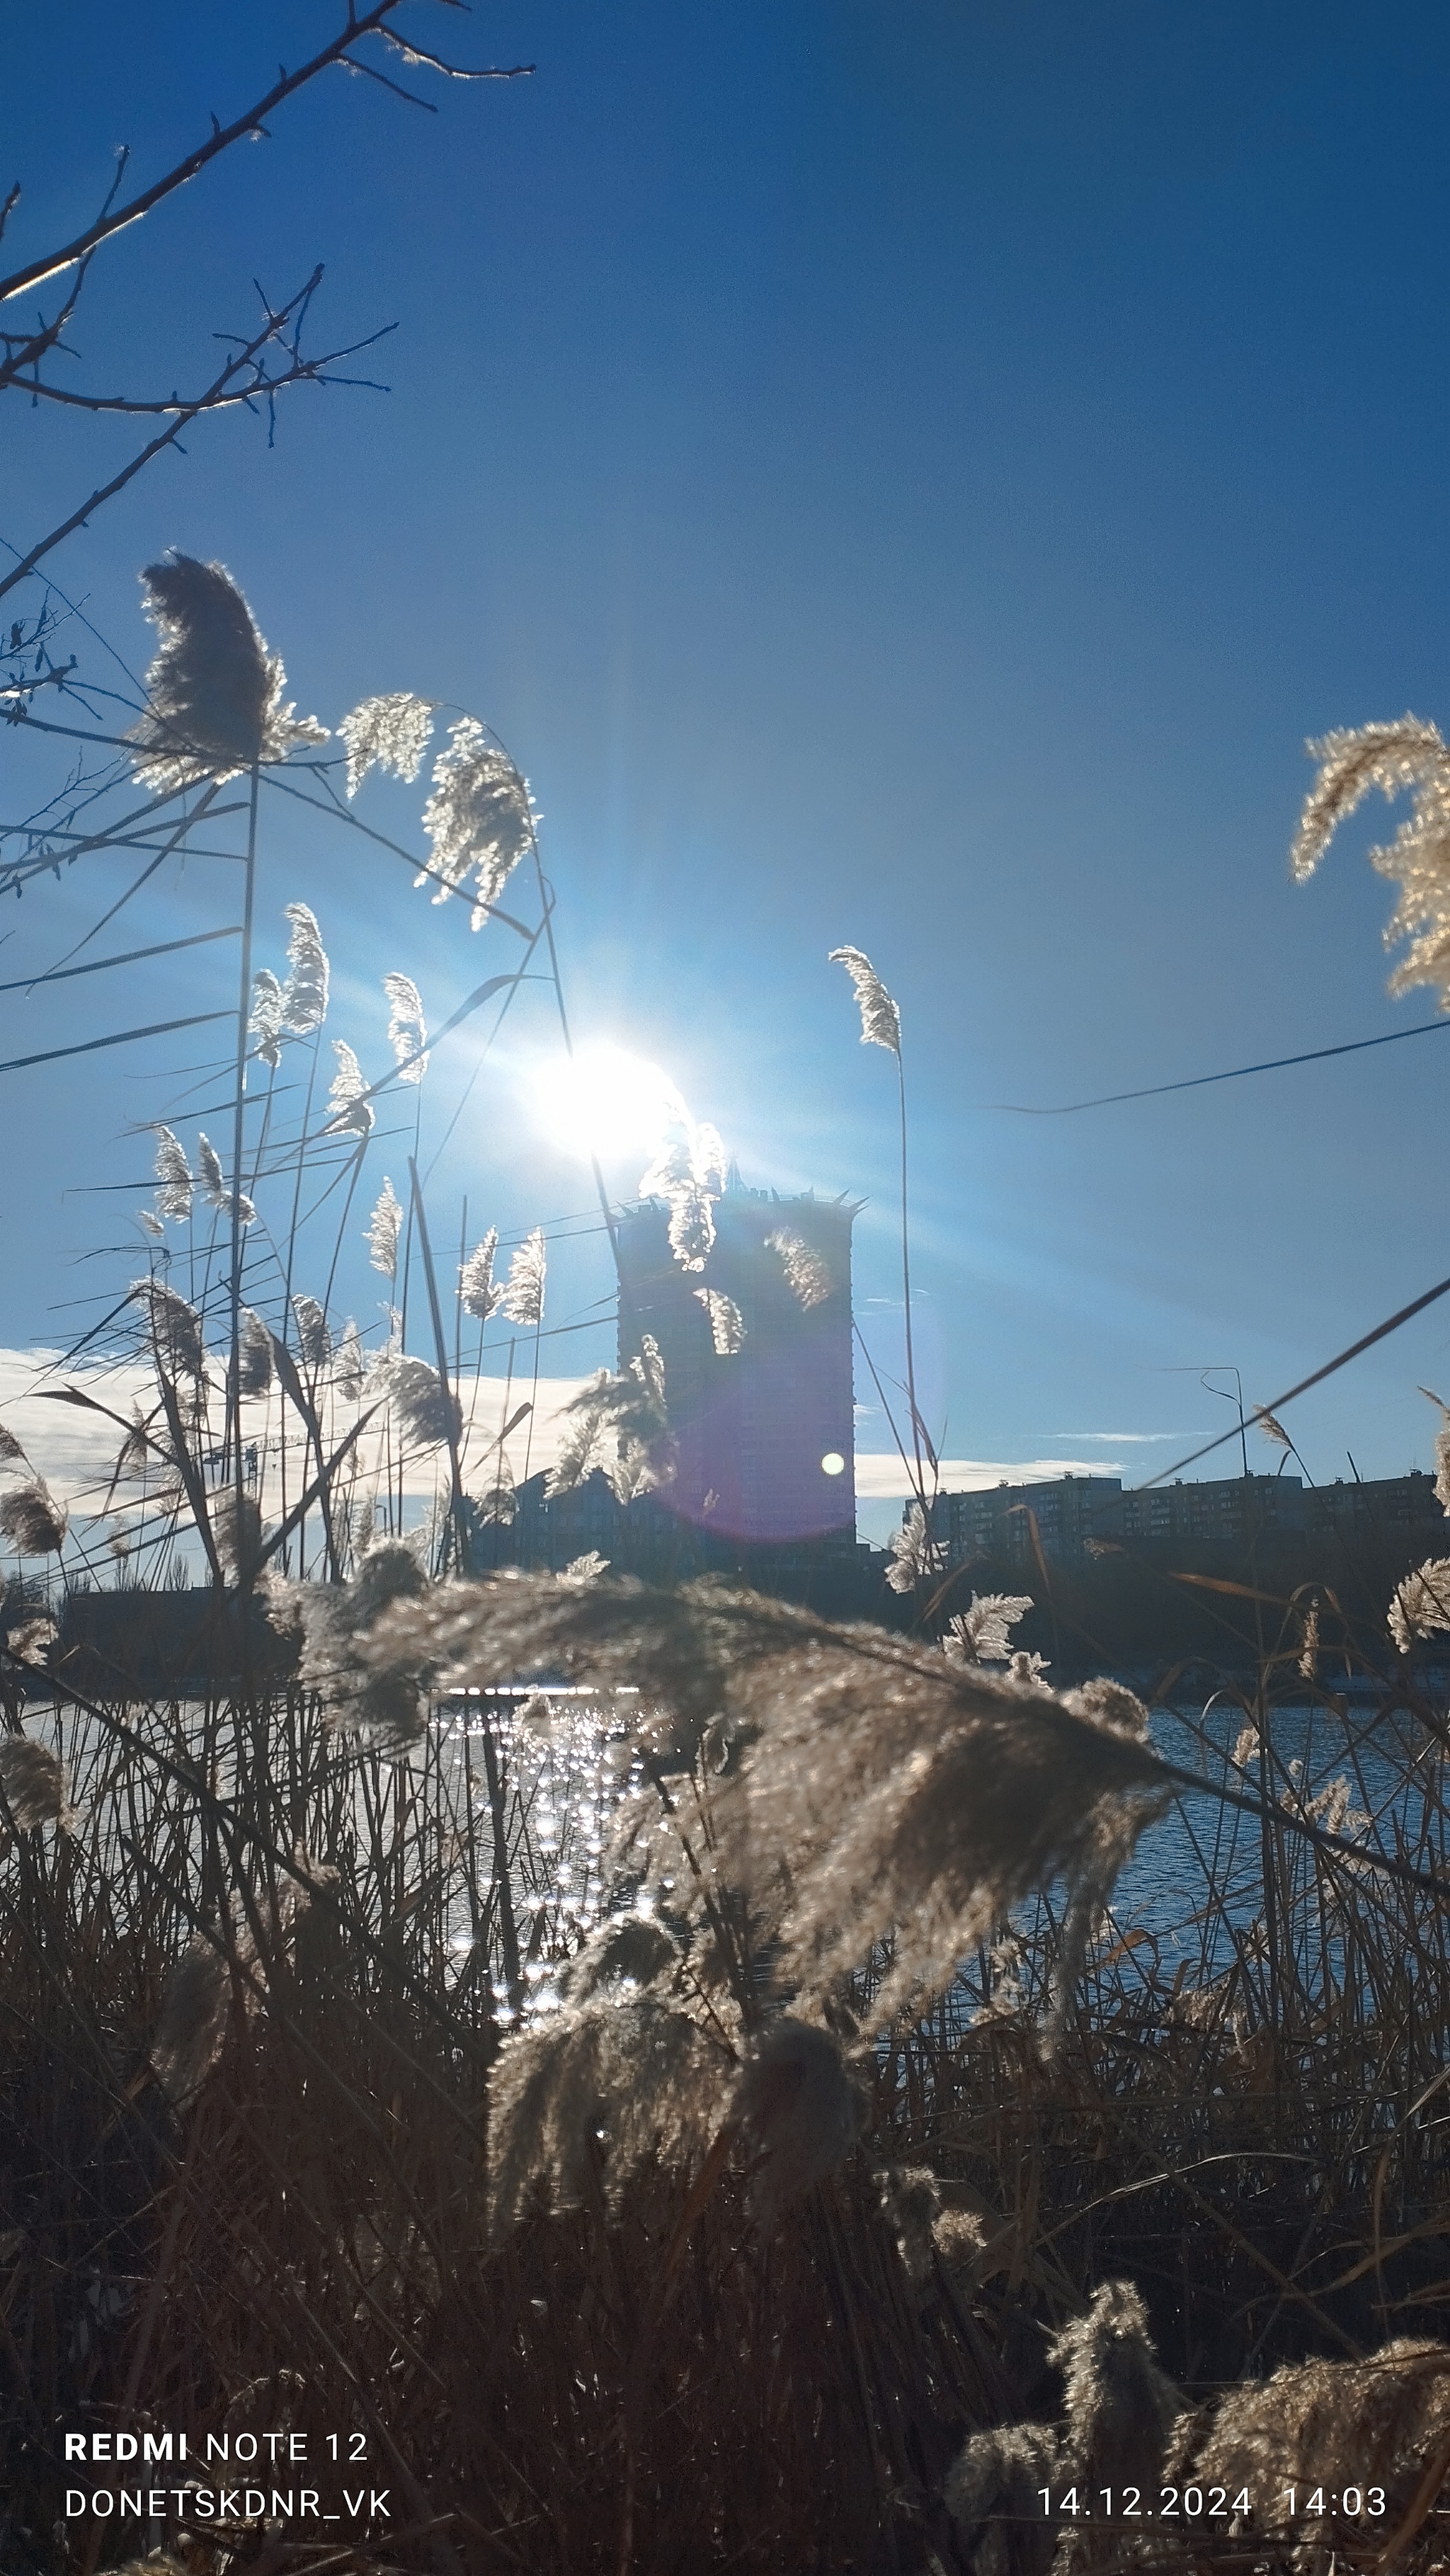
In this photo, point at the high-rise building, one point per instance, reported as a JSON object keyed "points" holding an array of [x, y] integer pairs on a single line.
{"points": [[765, 1432]]}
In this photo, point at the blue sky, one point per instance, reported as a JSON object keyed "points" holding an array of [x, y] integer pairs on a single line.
{"points": [[903, 476]]}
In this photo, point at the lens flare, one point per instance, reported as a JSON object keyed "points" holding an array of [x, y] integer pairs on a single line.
{"points": [[606, 1102]]}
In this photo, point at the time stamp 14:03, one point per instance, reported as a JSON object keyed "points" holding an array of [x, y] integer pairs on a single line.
{"points": [[1204, 2504]]}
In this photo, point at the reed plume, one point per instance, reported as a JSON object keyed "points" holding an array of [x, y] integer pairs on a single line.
{"points": [[265, 1024], [349, 1373], [215, 696], [384, 1232], [1395, 758], [173, 1177], [10, 1448], [407, 1032], [992, 2493], [1377, 2422], [236, 1526], [189, 2034], [173, 1330], [1421, 1604], [33, 1784], [582, 1447], [626, 1953], [801, 2109], [1392, 757], [313, 1338], [33, 1521], [33, 1641], [727, 1324], [522, 1300], [688, 1173], [479, 816], [213, 1185], [390, 733], [632, 1405], [691, 1226], [304, 995], [585, 2100], [982, 1634], [1121, 2409], [151, 1225], [347, 1109], [375, 1699], [428, 1413], [910, 2195], [807, 1272], [476, 1285], [915, 1555], [880, 1018], [254, 1356]]}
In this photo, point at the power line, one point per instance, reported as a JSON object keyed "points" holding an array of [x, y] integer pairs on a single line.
{"points": [[1198, 1081], [1366, 1342]]}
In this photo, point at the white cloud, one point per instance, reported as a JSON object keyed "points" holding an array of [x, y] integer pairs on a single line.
{"points": [[75, 1450]]}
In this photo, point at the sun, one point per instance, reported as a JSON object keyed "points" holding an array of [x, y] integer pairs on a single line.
{"points": [[603, 1101]]}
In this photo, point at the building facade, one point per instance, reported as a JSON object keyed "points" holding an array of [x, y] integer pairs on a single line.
{"points": [[1073, 1514]]}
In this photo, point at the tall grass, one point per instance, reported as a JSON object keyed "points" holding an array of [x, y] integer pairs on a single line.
{"points": [[604, 2267]]}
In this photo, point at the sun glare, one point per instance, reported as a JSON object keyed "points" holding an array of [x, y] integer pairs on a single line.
{"points": [[607, 1102]]}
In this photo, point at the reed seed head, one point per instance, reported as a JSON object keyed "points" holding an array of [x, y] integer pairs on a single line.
{"points": [[991, 2493], [479, 817], [1421, 1604], [522, 1300], [33, 1784], [173, 1177], [807, 1272], [802, 2110], [384, 1232], [32, 1520], [173, 1330], [348, 1375], [390, 733], [188, 2038], [915, 1555], [1408, 755], [476, 1283], [265, 1024], [911, 2197], [33, 1641], [426, 1411], [884, 1790], [1380, 2421], [215, 695], [304, 995], [348, 1111], [880, 1018], [1120, 2407], [727, 1324], [407, 1031], [584, 2101], [313, 1338], [982, 1634], [255, 1357]]}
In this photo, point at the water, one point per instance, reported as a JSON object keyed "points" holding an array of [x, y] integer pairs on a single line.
{"points": [[1393, 1781]]}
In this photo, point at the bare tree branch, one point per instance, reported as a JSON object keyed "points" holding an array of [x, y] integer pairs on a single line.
{"points": [[242, 379], [114, 220]]}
